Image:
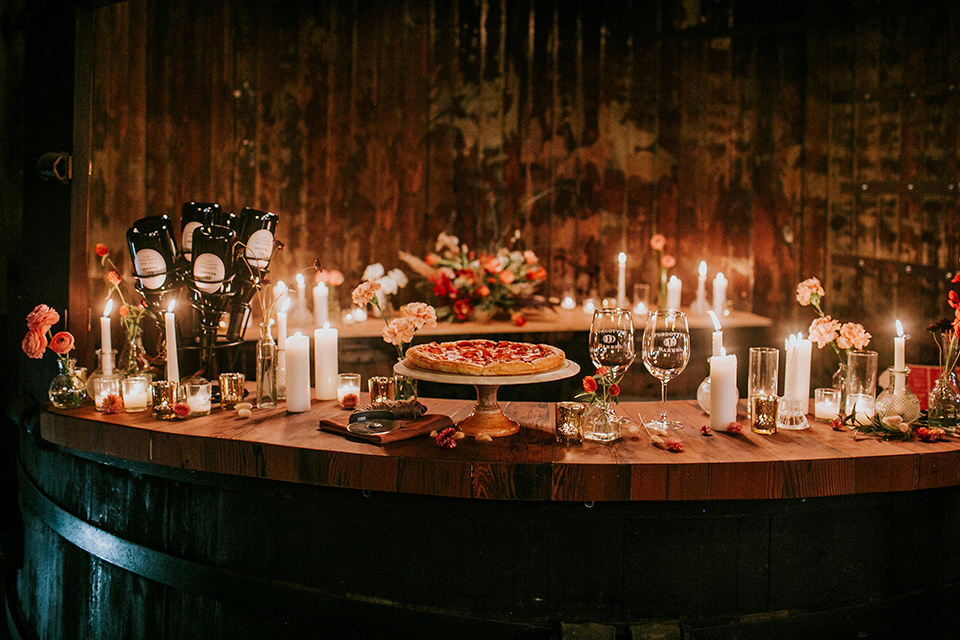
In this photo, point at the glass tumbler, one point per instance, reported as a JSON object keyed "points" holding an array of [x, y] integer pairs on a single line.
{"points": [[763, 368], [861, 385]]}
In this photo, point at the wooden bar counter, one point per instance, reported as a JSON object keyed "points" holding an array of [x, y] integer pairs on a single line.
{"points": [[220, 526]]}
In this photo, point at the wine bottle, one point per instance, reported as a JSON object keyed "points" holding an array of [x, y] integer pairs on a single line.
{"points": [[153, 252], [213, 253], [193, 215], [255, 248]]}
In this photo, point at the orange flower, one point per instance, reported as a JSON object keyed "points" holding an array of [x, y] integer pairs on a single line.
{"points": [[34, 344], [349, 401], [101, 250], [507, 277], [113, 277], [365, 292], [658, 242], [122, 311], [590, 384], [483, 291], [432, 259], [602, 371], [62, 342], [668, 262], [462, 309], [42, 318], [529, 257], [614, 390], [491, 264], [518, 319], [112, 403]]}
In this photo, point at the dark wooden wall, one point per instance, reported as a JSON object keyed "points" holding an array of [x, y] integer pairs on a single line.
{"points": [[777, 141]]}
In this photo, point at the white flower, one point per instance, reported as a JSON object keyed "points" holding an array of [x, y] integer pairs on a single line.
{"points": [[373, 271], [447, 241], [399, 277], [389, 285]]}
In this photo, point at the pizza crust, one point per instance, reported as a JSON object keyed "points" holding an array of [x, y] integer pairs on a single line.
{"points": [[486, 357]]}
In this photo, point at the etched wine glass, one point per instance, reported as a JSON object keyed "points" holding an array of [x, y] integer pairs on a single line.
{"points": [[665, 352], [611, 346]]}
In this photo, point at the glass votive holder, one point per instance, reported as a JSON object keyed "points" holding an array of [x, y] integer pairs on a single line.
{"points": [[826, 404], [165, 394], [763, 370], [763, 412], [790, 415], [348, 390], [382, 388], [198, 392], [569, 422], [231, 390], [136, 393], [862, 406], [104, 386]]}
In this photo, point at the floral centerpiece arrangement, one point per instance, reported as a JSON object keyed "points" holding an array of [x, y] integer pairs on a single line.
{"points": [[943, 406], [399, 331], [468, 285], [66, 389], [133, 357], [665, 262], [825, 330]]}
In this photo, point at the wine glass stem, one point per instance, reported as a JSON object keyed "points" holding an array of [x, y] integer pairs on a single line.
{"points": [[663, 400]]}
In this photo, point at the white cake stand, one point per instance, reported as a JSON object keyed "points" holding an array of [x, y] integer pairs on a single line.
{"points": [[487, 417]]}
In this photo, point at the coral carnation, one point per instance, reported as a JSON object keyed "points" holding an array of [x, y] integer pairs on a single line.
{"points": [[420, 314], [658, 241], [853, 335], [399, 331], [365, 292], [807, 289], [823, 331], [181, 409], [112, 403]]}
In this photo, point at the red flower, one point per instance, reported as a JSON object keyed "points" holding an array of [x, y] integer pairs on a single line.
{"points": [[62, 342], [934, 434], [602, 371], [112, 403], [590, 384], [442, 287], [349, 401], [518, 319], [447, 439], [953, 299], [34, 344], [705, 429], [113, 277], [674, 444], [101, 250], [837, 424], [734, 427], [182, 409], [614, 389], [462, 308]]}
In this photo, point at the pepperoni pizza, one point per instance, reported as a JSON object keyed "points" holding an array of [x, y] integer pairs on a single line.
{"points": [[486, 357]]}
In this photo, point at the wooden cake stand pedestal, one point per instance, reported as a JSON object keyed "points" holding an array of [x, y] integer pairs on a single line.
{"points": [[487, 417]]}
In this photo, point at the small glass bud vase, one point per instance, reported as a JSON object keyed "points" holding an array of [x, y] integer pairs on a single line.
{"points": [[67, 390], [281, 374], [902, 402], [943, 404], [266, 368], [105, 381]]}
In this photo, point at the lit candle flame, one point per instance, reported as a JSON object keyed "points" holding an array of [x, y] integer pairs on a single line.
{"points": [[171, 305], [285, 306], [300, 280], [899, 329], [108, 308], [703, 267], [622, 258], [716, 322]]}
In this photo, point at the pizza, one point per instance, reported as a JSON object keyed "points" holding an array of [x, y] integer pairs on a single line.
{"points": [[486, 357]]}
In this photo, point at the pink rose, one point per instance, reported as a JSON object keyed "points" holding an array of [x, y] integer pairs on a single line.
{"points": [[420, 314], [42, 318], [365, 292], [823, 331], [34, 344], [807, 289], [62, 342], [668, 262], [853, 335], [399, 331], [658, 242]]}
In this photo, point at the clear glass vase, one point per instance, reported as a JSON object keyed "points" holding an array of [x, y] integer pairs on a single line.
{"points": [[67, 390], [406, 388], [839, 381], [602, 423], [133, 358], [104, 384], [943, 403], [266, 368]]}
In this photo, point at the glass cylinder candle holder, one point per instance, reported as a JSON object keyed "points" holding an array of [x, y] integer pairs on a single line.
{"points": [[763, 412], [348, 390], [136, 392], [382, 388], [569, 422], [826, 404], [861, 385], [165, 394], [764, 368], [198, 392], [231, 390]]}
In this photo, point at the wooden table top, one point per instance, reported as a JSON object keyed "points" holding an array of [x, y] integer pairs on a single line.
{"points": [[530, 465]]}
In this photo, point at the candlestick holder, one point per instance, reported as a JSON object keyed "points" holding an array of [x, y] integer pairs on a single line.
{"points": [[903, 403], [105, 381]]}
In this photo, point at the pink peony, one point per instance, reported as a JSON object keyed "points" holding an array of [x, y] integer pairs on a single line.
{"points": [[365, 292], [658, 242], [42, 318], [34, 344], [853, 335], [62, 342], [399, 331], [807, 289], [668, 262], [420, 314], [824, 330]]}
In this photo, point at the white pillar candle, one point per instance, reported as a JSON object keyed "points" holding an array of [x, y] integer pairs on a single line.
{"points": [[170, 325], [700, 302], [804, 352], [674, 287], [301, 296], [717, 349], [279, 291], [105, 343], [321, 304], [723, 391], [298, 373], [719, 294], [325, 363], [899, 361], [282, 326], [622, 280]]}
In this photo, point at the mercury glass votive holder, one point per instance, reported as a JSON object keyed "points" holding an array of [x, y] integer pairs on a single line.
{"points": [[165, 394], [348, 390], [198, 392], [382, 388], [763, 413], [136, 393], [569, 422], [231, 390]]}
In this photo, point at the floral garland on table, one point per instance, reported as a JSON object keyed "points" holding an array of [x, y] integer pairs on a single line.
{"points": [[825, 330], [467, 285]]}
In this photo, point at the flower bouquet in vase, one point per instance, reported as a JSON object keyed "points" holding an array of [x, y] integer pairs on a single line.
{"points": [[67, 389], [133, 358], [943, 403]]}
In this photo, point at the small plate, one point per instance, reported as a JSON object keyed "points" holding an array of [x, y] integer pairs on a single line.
{"points": [[373, 427]]}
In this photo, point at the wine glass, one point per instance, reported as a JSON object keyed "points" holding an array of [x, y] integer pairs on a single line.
{"points": [[611, 346], [665, 352]]}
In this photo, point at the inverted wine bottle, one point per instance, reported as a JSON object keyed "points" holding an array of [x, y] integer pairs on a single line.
{"points": [[213, 251], [255, 242], [192, 216], [153, 252]]}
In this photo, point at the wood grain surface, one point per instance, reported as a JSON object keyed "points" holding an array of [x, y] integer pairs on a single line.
{"points": [[530, 465]]}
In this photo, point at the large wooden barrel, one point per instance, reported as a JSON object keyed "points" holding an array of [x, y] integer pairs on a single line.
{"points": [[117, 549]]}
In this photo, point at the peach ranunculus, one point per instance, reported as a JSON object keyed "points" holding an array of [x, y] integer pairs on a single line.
{"points": [[807, 289], [658, 241], [61, 342], [853, 335], [399, 331], [668, 262], [42, 318], [507, 277], [34, 344], [420, 314], [365, 292], [823, 331]]}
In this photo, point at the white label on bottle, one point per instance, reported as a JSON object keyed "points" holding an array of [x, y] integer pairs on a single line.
{"points": [[186, 241], [147, 263], [259, 248], [209, 267]]}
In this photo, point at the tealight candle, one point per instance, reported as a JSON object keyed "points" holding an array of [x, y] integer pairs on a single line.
{"points": [[568, 303], [198, 397], [862, 406], [348, 390], [826, 405], [136, 393], [325, 363]]}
